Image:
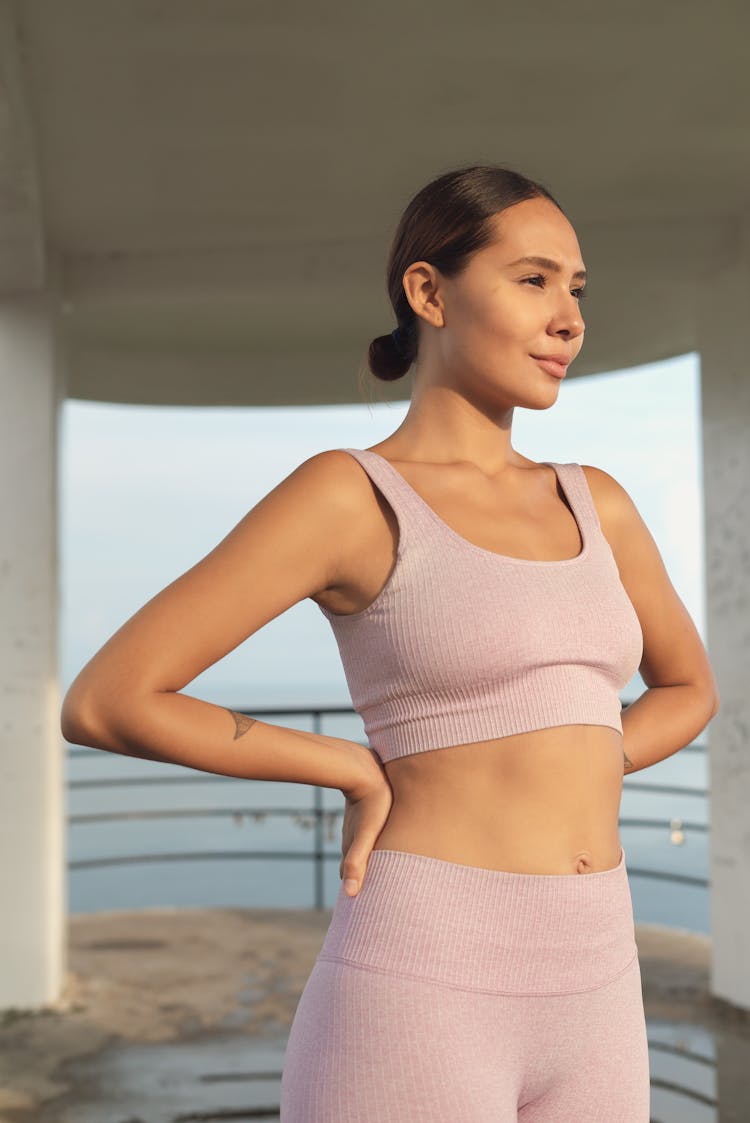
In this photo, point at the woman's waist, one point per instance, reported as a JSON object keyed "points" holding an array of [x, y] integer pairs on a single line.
{"points": [[531, 803], [495, 830], [560, 781]]}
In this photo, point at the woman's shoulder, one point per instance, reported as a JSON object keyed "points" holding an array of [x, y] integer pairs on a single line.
{"points": [[613, 503]]}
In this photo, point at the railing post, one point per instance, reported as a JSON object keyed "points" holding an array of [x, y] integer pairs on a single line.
{"points": [[319, 840]]}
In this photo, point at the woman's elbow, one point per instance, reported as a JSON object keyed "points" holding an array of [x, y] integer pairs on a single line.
{"points": [[78, 723]]}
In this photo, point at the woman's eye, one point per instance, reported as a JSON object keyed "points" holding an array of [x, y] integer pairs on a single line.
{"points": [[578, 293]]}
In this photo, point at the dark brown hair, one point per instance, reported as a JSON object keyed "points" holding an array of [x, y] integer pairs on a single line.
{"points": [[446, 222]]}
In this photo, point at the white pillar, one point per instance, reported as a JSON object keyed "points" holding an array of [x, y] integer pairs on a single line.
{"points": [[722, 311], [33, 902]]}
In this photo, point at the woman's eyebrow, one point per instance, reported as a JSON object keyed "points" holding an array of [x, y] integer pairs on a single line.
{"points": [[547, 263]]}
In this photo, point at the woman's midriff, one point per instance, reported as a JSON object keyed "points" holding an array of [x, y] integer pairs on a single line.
{"points": [[542, 802]]}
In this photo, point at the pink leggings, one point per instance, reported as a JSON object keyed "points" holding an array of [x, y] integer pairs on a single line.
{"points": [[448, 993]]}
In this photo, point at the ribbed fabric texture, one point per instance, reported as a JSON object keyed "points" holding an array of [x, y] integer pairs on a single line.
{"points": [[447, 993], [485, 929], [463, 644]]}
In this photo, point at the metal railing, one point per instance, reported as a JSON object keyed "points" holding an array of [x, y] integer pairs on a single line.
{"points": [[319, 817]]}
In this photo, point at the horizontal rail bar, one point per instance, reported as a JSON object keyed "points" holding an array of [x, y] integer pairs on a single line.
{"points": [[306, 855]]}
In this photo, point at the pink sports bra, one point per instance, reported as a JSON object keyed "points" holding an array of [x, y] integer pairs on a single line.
{"points": [[463, 644]]}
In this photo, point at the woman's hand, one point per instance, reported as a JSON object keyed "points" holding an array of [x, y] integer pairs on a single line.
{"points": [[368, 805]]}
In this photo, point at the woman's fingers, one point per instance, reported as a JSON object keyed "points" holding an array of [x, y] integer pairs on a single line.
{"points": [[363, 822]]}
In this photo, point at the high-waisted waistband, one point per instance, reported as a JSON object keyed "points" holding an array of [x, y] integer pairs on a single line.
{"points": [[485, 929]]}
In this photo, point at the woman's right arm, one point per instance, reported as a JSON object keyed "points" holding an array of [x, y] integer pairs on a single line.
{"points": [[291, 545]]}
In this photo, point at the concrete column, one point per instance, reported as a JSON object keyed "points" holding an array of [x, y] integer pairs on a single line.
{"points": [[33, 902], [722, 310]]}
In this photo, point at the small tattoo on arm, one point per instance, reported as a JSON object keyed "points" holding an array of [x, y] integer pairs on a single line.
{"points": [[241, 723]]}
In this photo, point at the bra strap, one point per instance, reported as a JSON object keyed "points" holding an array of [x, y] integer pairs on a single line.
{"points": [[408, 506], [575, 480]]}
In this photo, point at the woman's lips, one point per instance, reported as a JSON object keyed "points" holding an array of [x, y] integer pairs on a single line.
{"points": [[552, 367]]}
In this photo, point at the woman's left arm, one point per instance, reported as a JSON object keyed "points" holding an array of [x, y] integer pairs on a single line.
{"points": [[682, 694]]}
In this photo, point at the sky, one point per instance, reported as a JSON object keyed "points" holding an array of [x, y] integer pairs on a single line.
{"points": [[147, 491]]}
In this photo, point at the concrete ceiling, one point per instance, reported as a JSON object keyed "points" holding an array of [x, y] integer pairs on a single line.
{"points": [[213, 186]]}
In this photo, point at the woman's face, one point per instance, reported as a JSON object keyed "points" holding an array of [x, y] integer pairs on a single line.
{"points": [[500, 312]]}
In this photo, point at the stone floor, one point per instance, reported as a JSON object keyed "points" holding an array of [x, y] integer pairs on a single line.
{"points": [[182, 1014]]}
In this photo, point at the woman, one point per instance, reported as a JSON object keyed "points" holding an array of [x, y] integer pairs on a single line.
{"points": [[480, 965]]}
